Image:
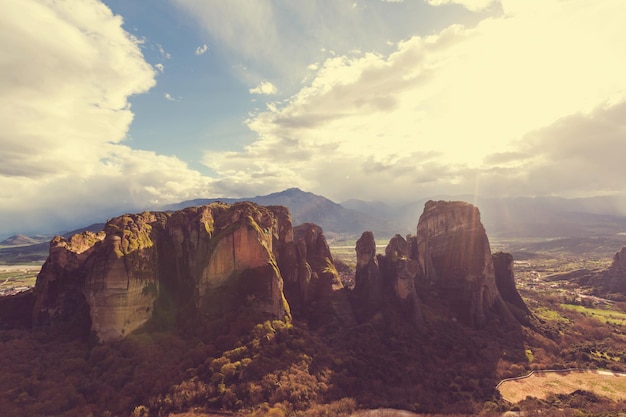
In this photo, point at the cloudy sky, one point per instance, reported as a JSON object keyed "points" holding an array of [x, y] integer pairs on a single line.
{"points": [[120, 105]]}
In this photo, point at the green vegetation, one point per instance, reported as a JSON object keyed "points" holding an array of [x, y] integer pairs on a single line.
{"points": [[255, 367], [603, 315], [18, 276]]}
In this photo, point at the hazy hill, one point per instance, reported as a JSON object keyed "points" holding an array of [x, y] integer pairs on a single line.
{"points": [[504, 218], [307, 207], [19, 240], [538, 217]]}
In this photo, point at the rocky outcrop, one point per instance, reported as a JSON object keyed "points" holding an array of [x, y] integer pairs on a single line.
{"points": [[616, 274], [385, 283], [402, 273], [314, 258], [505, 281], [368, 279], [455, 258], [202, 261], [210, 262], [317, 293], [59, 288]]}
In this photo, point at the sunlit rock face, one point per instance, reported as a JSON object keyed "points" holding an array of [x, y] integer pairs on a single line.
{"points": [[202, 261], [455, 258], [58, 290], [121, 282]]}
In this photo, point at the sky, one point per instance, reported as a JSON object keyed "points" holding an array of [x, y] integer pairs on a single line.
{"points": [[116, 106]]}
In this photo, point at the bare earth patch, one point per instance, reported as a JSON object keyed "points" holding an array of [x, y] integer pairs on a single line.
{"points": [[543, 384]]}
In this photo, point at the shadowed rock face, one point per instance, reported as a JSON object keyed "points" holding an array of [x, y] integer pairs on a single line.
{"points": [[204, 260], [317, 274], [402, 272], [368, 280], [617, 272], [454, 256], [58, 290], [505, 280]]}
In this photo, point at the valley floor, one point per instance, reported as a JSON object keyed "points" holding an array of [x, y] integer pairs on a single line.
{"points": [[542, 384]]}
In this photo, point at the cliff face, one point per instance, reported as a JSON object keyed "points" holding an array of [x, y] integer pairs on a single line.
{"points": [[403, 272], [208, 262], [454, 256], [205, 260], [505, 281], [58, 290], [616, 275], [368, 278]]}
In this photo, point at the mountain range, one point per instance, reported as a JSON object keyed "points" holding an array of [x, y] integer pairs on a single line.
{"points": [[504, 218], [510, 217]]}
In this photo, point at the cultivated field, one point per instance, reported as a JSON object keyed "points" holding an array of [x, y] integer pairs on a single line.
{"points": [[543, 384], [17, 278]]}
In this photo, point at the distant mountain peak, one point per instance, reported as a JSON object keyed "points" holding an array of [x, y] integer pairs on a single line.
{"points": [[19, 240]]}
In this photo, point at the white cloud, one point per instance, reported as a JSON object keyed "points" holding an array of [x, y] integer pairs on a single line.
{"points": [[265, 88], [202, 49], [423, 119], [473, 5], [64, 113], [160, 67], [163, 52], [169, 97], [279, 39]]}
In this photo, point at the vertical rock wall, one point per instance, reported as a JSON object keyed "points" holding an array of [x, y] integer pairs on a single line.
{"points": [[454, 256], [205, 258]]}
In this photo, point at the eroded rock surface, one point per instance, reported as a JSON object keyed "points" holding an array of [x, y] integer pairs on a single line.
{"points": [[204, 261], [455, 257], [616, 274], [402, 273], [505, 281], [58, 290], [368, 279]]}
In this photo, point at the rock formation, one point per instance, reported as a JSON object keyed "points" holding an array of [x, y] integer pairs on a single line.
{"points": [[505, 281], [206, 261], [368, 280], [386, 282], [58, 290], [616, 275], [402, 273], [210, 262], [455, 258]]}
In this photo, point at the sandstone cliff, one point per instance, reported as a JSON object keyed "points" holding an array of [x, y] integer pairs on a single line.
{"points": [[210, 262], [204, 261], [58, 290], [455, 258]]}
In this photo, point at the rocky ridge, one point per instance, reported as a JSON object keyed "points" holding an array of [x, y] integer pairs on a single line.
{"points": [[213, 261]]}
